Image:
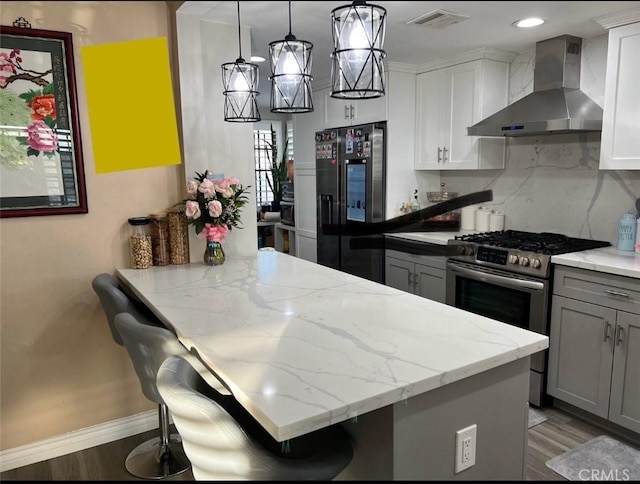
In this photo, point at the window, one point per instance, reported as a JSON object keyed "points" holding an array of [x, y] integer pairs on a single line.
{"points": [[264, 150], [268, 142], [290, 141]]}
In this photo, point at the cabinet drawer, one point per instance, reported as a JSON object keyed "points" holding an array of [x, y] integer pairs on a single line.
{"points": [[436, 261], [608, 290]]}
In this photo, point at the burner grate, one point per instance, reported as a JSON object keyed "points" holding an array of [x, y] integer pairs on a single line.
{"points": [[543, 243]]}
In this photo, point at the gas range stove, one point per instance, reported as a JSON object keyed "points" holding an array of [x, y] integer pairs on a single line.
{"points": [[526, 253]]}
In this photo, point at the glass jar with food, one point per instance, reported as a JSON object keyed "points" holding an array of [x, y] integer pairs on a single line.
{"points": [[140, 251], [160, 238], [178, 235]]}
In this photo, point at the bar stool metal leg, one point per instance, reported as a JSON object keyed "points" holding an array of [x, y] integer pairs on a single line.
{"points": [[160, 457]]}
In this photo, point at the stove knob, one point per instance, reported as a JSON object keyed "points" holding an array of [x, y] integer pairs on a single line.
{"points": [[524, 261], [470, 251], [513, 259], [535, 263], [461, 250]]}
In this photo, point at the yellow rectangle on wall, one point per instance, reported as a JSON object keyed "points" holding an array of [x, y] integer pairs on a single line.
{"points": [[131, 107]]}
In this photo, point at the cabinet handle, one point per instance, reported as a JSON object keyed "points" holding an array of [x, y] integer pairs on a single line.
{"points": [[607, 327], [439, 151], [616, 293], [444, 155], [346, 112], [619, 331], [409, 281], [351, 111]]}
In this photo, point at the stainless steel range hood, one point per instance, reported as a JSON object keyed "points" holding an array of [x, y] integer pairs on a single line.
{"points": [[556, 105]]}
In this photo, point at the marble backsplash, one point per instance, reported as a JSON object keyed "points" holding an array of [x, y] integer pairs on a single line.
{"points": [[552, 183]]}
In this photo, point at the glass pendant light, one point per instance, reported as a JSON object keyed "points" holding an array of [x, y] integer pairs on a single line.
{"points": [[291, 74], [240, 82], [357, 71]]}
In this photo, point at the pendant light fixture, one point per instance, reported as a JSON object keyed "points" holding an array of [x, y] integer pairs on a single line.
{"points": [[291, 74], [240, 82], [357, 71]]}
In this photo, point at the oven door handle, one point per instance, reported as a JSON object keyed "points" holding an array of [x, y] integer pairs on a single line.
{"points": [[480, 275]]}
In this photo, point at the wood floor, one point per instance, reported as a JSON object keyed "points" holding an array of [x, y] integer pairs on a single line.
{"points": [[560, 433]]}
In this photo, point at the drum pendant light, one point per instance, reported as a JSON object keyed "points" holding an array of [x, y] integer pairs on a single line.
{"points": [[240, 81], [357, 71], [291, 74]]}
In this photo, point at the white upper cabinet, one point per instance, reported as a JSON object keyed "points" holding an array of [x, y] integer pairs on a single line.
{"points": [[449, 100], [620, 141], [430, 119], [348, 112]]}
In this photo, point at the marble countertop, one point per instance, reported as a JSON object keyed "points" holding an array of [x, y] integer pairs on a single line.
{"points": [[439, 238], [303, 346], [607, 259]]}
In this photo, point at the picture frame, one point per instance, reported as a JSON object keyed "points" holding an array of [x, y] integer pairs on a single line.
{"points": [[41, 163]]}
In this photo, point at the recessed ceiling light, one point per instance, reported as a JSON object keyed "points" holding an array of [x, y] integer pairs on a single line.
{"points": [[257, 58], [528, 22]]}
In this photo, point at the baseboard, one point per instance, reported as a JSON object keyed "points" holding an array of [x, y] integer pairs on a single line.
{"points": [[605, 425], [78, 440]]}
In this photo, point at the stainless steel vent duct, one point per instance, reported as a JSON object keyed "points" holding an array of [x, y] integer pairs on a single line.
{"points": [[556, 105]]}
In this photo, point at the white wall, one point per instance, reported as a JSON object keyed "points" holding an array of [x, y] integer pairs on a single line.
{"points": [[402, 178], [210, 143]]}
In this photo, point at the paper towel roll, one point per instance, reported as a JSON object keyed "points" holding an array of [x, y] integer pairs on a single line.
{"points": [[496, 221], [272, 216], [468, 218], [482, 219]]}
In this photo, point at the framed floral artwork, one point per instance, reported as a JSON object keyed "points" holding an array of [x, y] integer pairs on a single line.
{"points": [[41, 165]]}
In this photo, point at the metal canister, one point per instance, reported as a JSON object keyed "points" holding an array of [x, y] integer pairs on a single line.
{"points": [[627, 231], [178, 235]]}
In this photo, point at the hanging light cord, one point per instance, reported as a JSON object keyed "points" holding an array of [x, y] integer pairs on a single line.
{"points": [[239, 37], [289, 17]]}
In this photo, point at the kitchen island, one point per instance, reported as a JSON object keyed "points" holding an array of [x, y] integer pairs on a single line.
{"points": [[303, 346]]}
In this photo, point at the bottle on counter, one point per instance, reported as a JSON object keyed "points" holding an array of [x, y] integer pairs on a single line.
{"points": [[140, 251], [627, 228], [415, 203]]}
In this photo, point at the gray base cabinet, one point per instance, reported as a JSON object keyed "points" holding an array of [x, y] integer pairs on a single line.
{"points": [[624, 407], [418, 274], [594, 344]]}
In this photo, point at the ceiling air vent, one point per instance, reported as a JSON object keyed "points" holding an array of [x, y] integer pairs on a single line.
{"points": [[438, 19]]}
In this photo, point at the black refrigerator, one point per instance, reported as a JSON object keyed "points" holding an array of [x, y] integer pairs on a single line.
{"points": [[350, 191]]}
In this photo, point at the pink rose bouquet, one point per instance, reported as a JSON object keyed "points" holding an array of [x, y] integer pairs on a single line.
{"points": [[213, 206]]}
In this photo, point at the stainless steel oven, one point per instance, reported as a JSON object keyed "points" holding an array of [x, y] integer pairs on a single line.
{"points": [[507, 297], [506, 276]]}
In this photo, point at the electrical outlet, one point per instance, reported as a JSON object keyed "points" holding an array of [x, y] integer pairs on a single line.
{"points": [[466, 448]]}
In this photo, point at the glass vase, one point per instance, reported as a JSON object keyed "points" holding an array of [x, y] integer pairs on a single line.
{"points": [[214, 254]]}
